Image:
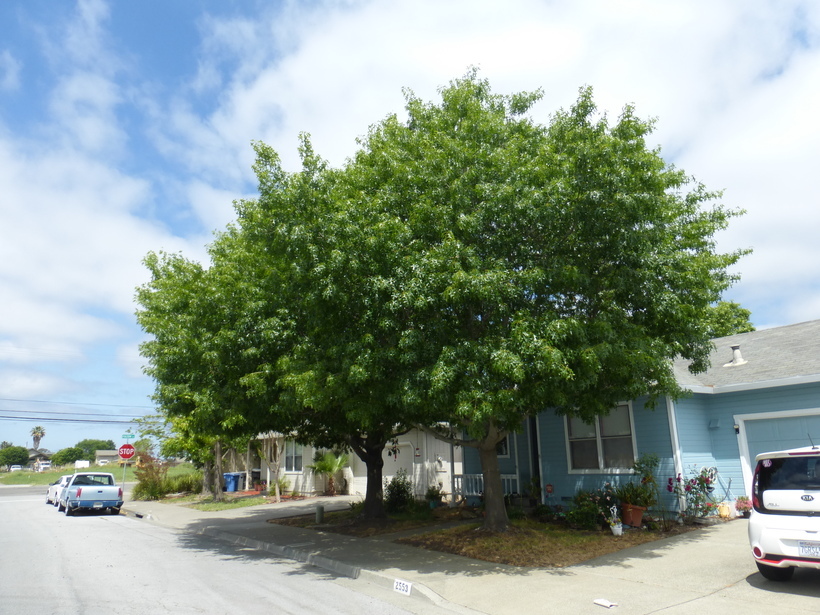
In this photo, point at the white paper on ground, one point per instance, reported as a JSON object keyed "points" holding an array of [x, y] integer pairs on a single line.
{"points": [[606, 603]]}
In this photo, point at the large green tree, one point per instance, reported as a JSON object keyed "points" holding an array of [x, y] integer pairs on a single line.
{"points": [[13, 456], [560, 266], [332, 353], [67, 456], [468, 268], [91, 446], [194, 316]]}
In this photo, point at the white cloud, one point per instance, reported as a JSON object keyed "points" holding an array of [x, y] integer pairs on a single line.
{"points": [[31, 384]]}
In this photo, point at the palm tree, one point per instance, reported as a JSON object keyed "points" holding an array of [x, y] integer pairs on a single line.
{"points": [[37, 434], [329, 465]]}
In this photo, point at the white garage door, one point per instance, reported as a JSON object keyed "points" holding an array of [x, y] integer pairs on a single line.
{"points": [[774, 434]]}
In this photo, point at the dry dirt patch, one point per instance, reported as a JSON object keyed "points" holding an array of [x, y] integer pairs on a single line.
{"points": [[528, 543]]}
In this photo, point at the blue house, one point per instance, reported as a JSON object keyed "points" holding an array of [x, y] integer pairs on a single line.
{"points": [[761, 393]]}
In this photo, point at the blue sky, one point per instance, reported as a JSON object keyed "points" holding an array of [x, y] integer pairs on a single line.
{"points": [[126, 127]]}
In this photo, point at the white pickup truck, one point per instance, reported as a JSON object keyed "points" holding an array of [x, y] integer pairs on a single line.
{"points": [[91, 491]]}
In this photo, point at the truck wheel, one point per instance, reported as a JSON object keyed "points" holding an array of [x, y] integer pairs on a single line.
{"points": [[775, 574], [60, 507], [114, 511], [68, 511]]}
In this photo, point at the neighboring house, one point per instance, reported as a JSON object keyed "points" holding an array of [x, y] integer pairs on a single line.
{"points": [[427, 461], [105, 457], [36, 455], [761, 393]]}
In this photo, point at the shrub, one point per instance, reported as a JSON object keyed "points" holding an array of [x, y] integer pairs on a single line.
{"points": [[150, 473], [585, 513], [398, 493], [697, 492], [546, 513], [182, 483], [592, 509], [434, 493]]}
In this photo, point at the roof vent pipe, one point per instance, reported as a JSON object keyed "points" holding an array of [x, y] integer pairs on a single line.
{"points": [[737, 358]]}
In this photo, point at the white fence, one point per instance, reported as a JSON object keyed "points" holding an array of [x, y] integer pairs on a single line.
{"points": [[473, 484]]}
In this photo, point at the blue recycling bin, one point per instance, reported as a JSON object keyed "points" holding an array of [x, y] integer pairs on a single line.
{"points": [[231, 481]]}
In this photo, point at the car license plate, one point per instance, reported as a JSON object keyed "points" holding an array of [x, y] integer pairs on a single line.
{"points": [[99, 505], [809, 548]]}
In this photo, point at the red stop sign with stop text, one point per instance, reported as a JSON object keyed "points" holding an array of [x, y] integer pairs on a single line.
{"points": [[127, 451]]}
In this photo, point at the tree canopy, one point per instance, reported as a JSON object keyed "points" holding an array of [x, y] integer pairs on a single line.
{"points": [[728, 318], [13, 456], [91, 446], [67, 456], [468, 267]]}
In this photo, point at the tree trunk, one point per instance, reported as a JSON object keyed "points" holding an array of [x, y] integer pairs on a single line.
{"points": [[495, 512], [370, 453], [248, 476], [374, 494], [271, 448], [207, 478], [219, 496]]}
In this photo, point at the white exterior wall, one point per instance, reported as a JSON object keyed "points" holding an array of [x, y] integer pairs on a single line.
{"points": [[428, 467], [431, 466]]}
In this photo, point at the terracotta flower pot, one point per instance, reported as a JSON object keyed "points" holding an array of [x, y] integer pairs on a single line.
{"points": [[632, 515]]}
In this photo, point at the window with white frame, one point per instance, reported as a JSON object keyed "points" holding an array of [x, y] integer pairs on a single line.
{"points": [[605, 444], [293, 456], [502, 449]]}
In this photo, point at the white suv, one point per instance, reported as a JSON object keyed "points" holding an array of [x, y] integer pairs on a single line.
{"points": [[784, 528]]}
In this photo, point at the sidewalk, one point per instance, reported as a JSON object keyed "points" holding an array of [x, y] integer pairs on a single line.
{"points": [[710, 570]]}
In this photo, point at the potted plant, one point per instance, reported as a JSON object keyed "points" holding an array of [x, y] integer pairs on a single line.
{"points": [[614, 522], [434, 495], [743, 506], [635, 498]]}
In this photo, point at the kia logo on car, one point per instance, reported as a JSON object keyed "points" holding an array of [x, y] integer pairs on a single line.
{"points": [[807, 498]]}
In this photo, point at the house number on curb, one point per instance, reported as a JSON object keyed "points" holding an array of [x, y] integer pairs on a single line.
{"points": [[403, 587]]}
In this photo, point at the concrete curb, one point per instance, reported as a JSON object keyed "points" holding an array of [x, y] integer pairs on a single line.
{"points": [[312, 558], [418, 590]]}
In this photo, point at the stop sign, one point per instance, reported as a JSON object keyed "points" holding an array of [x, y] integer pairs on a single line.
{"points": [[127, 451]]}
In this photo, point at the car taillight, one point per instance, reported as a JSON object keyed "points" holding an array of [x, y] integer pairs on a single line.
{"points": [[79, 492], [756, 503], [120, 495]]}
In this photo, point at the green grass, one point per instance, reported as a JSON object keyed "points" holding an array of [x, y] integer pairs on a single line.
{"points": [[27, 477], [210, 505]]}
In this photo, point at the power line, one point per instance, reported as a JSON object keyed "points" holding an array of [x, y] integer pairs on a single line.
{"points": [[71, 403], [122, 416], [43, 419]]}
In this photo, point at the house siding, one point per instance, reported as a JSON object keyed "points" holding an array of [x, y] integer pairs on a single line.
{"points": [[707, 435], [651, 436]]}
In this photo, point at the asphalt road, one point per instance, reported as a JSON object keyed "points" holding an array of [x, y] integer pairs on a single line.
{"points": [[97, 563]]}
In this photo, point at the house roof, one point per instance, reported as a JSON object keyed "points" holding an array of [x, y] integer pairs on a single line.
{"points": [[770, 357]]}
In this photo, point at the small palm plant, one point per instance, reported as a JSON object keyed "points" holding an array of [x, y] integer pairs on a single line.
{"points": [[329, 465]]}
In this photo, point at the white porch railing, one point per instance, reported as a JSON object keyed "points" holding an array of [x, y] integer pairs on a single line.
{"points": [[473, 484]]}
